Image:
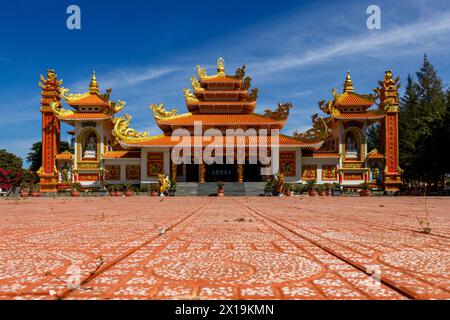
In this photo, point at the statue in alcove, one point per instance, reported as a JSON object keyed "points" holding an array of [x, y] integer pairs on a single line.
{"points": [[90, 149], [351, 150]]}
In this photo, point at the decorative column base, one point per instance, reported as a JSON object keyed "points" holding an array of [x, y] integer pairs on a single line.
{"points": [[48, 182], [392, 182]]}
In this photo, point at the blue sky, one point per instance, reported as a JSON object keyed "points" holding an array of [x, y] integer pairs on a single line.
{"points": [[146, 51]]}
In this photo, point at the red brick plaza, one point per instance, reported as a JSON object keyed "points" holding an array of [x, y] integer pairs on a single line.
{"points": [[225, 248]]}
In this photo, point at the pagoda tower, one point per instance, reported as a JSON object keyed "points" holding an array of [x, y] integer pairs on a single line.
{"points": [[220, 101], [50, 132]]}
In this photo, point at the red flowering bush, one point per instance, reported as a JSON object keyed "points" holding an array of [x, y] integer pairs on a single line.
{"points": [[9, 178]]}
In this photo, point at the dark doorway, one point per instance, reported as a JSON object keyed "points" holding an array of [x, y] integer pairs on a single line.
{"points": [[252, 173], [220, 172], [192, 172]]}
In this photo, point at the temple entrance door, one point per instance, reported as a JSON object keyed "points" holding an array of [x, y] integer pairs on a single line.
{"points": [[220, 172], [192, 172], [252, 173]]}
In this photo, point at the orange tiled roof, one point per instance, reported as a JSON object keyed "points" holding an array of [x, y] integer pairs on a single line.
{"points": [[86, 116], [220, 119], [362, 115], [64, 156], [122, 154], [353, 99], [166, 141], [90, 100], [375, 154]]}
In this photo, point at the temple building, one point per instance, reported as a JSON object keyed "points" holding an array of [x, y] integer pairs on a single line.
{"points": [[107, 151]]}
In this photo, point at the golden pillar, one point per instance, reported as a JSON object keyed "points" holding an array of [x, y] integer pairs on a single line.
{"points": [[173, 171], [240, 171], [48, 173], [201, 173]]}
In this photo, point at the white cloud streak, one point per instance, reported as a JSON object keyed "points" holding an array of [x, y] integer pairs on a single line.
{"points": [[382, 40]]}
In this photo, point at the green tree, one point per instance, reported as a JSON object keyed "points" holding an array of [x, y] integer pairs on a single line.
{"points": [[10, 170], [373, 137], [408, 123], [34, 157], [10, 161], [423, 111]]}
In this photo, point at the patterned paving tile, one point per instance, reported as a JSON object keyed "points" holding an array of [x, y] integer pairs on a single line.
{"points": [[230, 248]]}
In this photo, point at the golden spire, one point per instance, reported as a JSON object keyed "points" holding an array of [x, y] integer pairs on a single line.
{"points": [[93, 85], [348, 85], [220, 67]]}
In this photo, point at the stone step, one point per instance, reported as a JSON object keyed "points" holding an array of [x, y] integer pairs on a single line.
{"points": [[210, 188]]}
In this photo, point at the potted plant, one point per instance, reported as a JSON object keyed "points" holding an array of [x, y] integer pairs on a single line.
{"points": [[220, 191], [75, 189], [118, 190], [336, 189], [111, 190], [311, 186], [288, 190], [327, 188], [172, 187], [365, 190], [25, 190], [321, 190], [153, 190], [35, 191], [128, 190]]}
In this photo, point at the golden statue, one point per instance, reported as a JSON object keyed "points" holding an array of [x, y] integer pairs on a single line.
{"points": [[279, 187], [221, 67], [163, 183]]}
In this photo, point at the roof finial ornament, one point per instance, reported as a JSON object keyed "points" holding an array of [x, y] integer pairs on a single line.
{"points": [[93, 85], [348, 85], [220, 66]]}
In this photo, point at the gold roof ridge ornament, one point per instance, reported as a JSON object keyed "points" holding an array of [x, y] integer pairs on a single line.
{"points": [[348, 84], [240, 72], [201, 72], [253, 95], [196, 86], [116, 106], [160, 113], [59, 111], [220, 67], [246, 83], [281, 113], [72, 96], [123, 132], [328, 107], [93, 85], [189, 96], [319, 131]]}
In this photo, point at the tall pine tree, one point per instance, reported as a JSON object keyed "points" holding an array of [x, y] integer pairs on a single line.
{"points": [[421, 126]]}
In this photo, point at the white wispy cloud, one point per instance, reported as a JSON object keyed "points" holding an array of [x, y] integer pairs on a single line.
{"points": [[379, 42], [125, 77]]}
